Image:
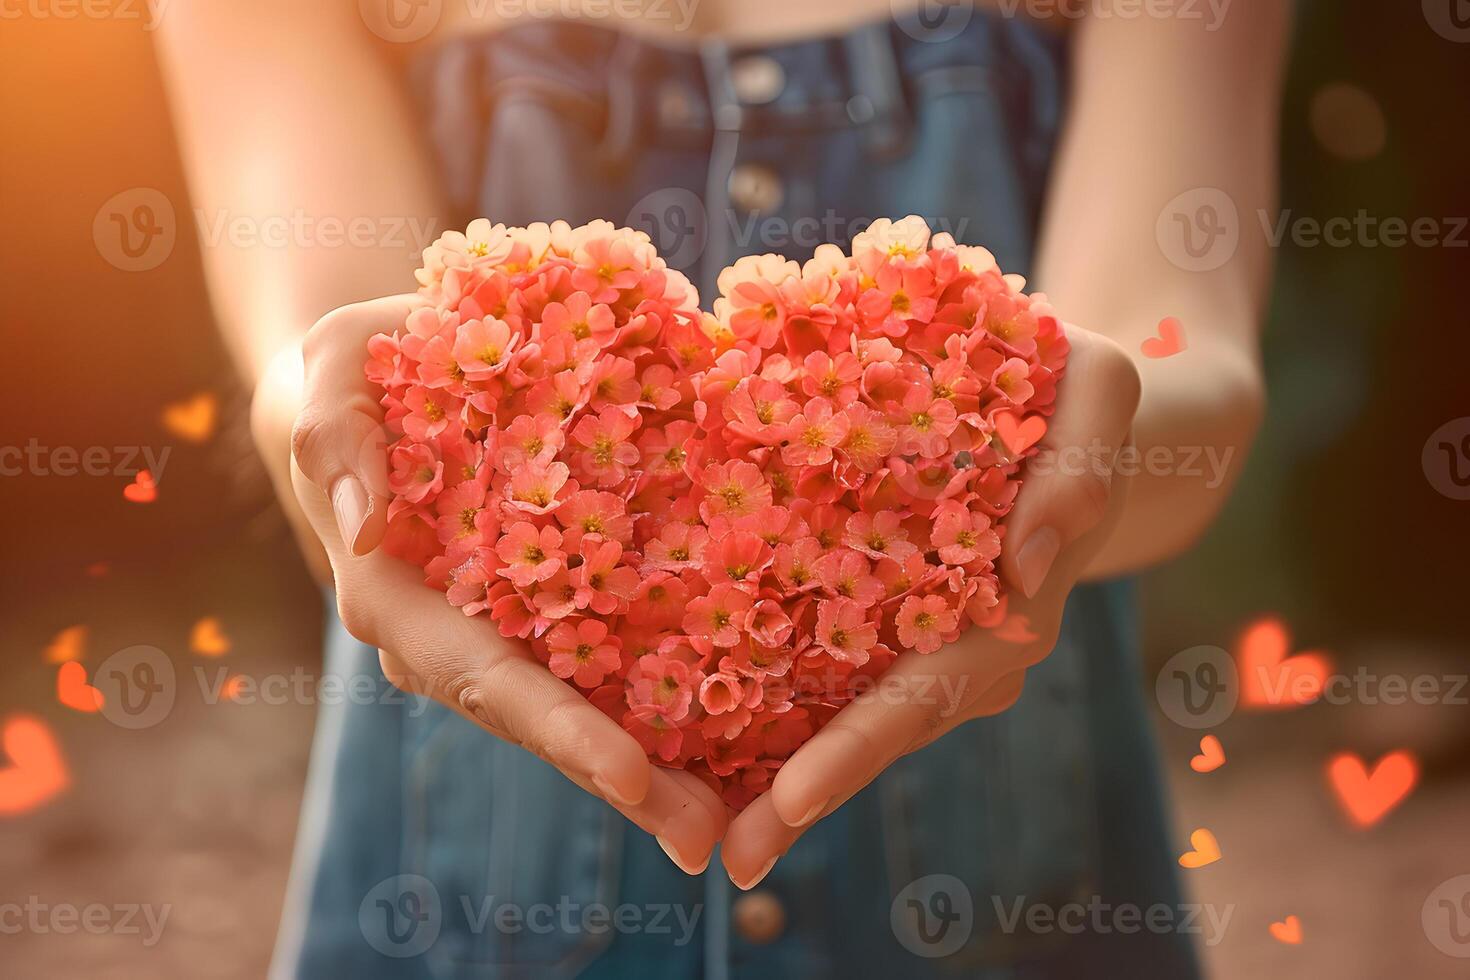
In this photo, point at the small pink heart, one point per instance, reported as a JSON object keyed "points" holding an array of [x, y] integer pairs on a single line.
{"points": [[1017, 435], [1169, 342]]}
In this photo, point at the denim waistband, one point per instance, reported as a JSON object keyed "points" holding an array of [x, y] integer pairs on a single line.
{"points": [[645, 90]]}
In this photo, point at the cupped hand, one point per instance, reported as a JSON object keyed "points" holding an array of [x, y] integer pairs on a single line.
{"points": [[1065, 510], [429, 647]]}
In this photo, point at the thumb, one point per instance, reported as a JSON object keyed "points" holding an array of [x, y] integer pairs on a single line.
{"points": [[338, 441], [1067, 487]]}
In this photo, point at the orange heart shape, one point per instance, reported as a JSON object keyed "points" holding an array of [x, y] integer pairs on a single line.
{"points": [[1169, 342], [1015, 629], [208, 639], [1211, 755], [66, 645], [1368, 797], [1288, 931], [1018, 436], [1205, 850], [1271, 679], [192, 419], [73, 690], [142, 490], [38, 770]]}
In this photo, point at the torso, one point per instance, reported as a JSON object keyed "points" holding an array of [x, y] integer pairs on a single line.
{"points": [[738, 21]]}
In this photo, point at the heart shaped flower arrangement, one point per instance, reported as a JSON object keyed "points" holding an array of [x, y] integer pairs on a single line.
{"points": [[719, 527]]}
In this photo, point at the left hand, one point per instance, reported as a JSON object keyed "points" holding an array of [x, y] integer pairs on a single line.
{"points": [[1066, 509]]}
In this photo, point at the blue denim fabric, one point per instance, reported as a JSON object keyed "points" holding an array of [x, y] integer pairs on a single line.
{"points": [[417, 824]]}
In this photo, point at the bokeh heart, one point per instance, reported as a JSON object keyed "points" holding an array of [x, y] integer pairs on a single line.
{"points": [[720, 527]]}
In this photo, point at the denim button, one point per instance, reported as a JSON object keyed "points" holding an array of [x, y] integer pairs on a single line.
{"points": [[755, 187], [757, 79], [759, 917]]}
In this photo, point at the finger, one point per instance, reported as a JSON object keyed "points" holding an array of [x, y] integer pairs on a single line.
{"points": [[758, 837], [338, 440], [1068, 483], [464, 662], [918, 698]]}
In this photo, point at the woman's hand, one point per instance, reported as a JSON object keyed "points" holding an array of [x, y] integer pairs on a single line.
{"points": [[1066, 509], [426, 645]]}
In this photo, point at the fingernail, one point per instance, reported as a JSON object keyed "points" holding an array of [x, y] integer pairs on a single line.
{"points": [[1035, 558], [812, 814], [350, 505], [747, 886], [609, 791], [684, 866]]}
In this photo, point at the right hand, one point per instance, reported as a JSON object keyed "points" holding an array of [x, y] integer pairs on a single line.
{"points": [[428, 647]]}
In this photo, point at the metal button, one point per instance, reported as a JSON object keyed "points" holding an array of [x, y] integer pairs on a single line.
{"points": [[757, 79], [755, 187], [759, 917]]}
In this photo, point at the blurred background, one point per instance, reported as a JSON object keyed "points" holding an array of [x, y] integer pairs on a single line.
{"points": [[1350, 527]]}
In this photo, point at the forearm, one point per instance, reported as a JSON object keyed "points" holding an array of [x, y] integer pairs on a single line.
{"points": [[1132, 146], [307, 177]]}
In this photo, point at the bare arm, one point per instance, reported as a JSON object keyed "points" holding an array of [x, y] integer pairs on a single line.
{"points": [[1161, 106], [308, 179]]}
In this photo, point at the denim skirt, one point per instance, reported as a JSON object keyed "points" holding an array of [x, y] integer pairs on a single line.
{"points": [[429, 849]]}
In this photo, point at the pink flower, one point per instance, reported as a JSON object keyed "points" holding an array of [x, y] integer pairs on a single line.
{"points": [[925, 423], [677, 547], [844, 631], [416, 474], [535, 488], [846, 574], [831, 377], [735, 488], [924, 621], [963, 536], [759, 410], [530, 439], [740, 557], [530, 555], [580, 319], [813, 434], [878, 536], [661, 687], [719, 615], [602, 583], [595, 512], [869, 439], [584, 653], [608, 452], [482, 348], [464, 521]]}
